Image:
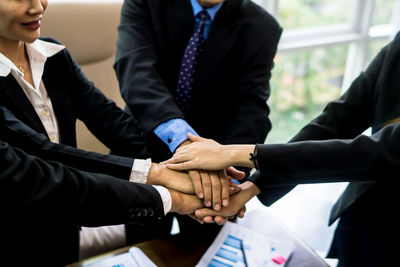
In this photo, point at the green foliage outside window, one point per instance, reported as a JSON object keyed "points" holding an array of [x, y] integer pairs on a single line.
{"points": [[304, 81], [311, 13]]}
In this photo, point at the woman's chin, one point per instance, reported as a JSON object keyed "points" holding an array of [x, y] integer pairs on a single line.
{"points": [[30, 40]]}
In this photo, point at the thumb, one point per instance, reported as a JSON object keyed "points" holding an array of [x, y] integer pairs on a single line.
{"points": [[201, 213], [195, 138], [179, 166], [235, 174]]}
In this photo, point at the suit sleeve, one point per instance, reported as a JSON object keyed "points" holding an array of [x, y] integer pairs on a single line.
{"points": [[364, 158], [136, 66], [28, 183], [341, 124], [18, 134], [111, 125], [259, 50]]}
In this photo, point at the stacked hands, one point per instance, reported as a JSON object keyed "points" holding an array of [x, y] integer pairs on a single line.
{"points": [[199, 178]]}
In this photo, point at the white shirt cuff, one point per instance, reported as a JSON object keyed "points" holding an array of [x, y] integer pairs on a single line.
{"points": [[165, 197], [140, 170]]}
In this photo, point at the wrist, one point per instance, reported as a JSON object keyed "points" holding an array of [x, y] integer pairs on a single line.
{"points": [[240, 155], [250, 189], [175, 198], [184, 143], [154, 174]]}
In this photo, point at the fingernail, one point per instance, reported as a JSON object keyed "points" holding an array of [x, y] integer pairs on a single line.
{"points": [[217, 206], [201, 195], [225, 202], [208, 204]]}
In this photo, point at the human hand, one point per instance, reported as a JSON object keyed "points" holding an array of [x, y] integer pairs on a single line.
{"points": [[199, 153], [159, 174], [236, 206], [218, 219], [184, 203], [222, 220], [234, 188], [212, 186], [215, 186], [207, 154]]}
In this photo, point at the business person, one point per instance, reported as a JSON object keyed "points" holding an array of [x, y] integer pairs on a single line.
{"points": [[44, 203], [332, 148], [42, 87], [199, 66]]}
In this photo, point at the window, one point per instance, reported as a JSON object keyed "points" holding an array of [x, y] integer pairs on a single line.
{"points": [[309, 13], [324, 46], [303, 82]]}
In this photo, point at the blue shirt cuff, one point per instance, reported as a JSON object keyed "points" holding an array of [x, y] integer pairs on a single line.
{"points": [[174, 132]]}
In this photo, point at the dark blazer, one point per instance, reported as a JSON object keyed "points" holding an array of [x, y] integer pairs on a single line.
{"points": [[332, 148], [73, 97], [44, 203], [230, 88]]}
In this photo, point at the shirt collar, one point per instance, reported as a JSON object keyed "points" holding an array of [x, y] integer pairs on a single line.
{"points": [[46, 49], [212, 11], [38, 50]]}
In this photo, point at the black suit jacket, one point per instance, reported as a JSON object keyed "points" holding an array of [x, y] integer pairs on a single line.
{"points": [[332, 148], [44, 203], [73, 97], [230, 88]]}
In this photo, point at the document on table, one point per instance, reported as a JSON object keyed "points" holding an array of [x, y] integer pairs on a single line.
{"points": [[238, 246], [134, 258]]}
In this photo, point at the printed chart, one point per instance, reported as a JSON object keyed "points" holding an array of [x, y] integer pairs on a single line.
{"points": [[237, 246]]}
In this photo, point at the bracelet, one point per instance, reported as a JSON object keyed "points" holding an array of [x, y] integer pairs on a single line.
{"points": [[253, 157]]}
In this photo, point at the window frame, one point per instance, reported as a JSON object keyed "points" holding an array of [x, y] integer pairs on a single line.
{"points": [[358, 34]]}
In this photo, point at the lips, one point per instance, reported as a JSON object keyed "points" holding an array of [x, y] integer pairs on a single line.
{"points": [[33, 25]]}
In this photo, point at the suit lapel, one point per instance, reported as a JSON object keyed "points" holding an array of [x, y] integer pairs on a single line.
{"points": [[17, 102], [221, 37], [55, 78], [57, 87]]}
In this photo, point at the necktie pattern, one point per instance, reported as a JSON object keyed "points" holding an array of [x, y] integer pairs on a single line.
{"points": [[189, 61]]}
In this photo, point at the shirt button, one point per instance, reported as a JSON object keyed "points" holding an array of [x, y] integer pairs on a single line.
{"points": [[52, 138], [45, 112], [169, 140]]}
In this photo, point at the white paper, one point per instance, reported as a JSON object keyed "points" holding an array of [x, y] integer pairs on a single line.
{"points": [[140, 258], [238, 246], [122, 260]]}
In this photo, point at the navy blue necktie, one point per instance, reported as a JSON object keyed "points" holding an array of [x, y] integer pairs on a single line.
{"points": [[189, 61]]}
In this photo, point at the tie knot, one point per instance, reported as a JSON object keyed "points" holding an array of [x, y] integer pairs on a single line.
{"points": [[203, 16]]}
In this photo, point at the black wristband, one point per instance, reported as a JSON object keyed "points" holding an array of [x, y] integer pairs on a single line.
{"points": [[253, 157]]}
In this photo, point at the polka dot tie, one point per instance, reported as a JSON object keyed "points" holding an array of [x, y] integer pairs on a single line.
{"points": [[189, 61]]}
